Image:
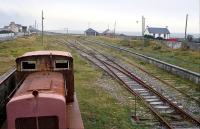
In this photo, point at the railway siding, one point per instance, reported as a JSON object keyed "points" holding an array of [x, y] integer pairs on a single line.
{"points": [[184, 73], [117, 70]]}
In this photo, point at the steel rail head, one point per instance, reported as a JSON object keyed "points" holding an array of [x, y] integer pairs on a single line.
{"points": [[156, 114], [141, 83], [157, 93]]}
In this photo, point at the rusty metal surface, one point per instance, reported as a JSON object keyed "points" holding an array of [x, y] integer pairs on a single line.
{"points": [[74, 120], [52, 88], [73, 114], [38, 53], [45, 82]]}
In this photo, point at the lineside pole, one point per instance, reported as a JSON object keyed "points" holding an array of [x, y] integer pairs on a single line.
{"points": [[186, 26], [42, 29], [114, 29], [199, 20]]}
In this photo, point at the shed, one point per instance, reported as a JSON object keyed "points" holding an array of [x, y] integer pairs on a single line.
{"points": [[91, 32], [157, 32]]}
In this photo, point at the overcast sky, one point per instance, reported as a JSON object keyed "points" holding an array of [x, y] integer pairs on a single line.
{"points": [[78, 14]]}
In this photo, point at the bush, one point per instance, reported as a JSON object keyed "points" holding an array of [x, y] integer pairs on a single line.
{"points": [[148, 37], [159, 38]]}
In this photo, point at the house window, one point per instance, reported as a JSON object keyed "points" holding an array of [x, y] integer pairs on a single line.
{"points": [[28, 65], [61, 64]]}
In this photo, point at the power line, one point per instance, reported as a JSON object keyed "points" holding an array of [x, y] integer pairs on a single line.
{"points": [[35, 24]]}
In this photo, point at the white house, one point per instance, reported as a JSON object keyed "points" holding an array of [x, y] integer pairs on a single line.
{"points": [[14, 27], [157, 32]]}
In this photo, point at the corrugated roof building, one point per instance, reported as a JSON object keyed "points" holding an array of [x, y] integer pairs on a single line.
{"points": [[91, 32]]}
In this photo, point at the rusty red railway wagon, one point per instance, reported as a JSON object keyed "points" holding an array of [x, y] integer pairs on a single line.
{"points": [[45, 99]]}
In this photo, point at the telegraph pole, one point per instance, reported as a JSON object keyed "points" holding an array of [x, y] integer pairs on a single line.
{"points": [[42, 28], [199, 20], [35, 24], [143, 26], [114, 28], [186, 26]]}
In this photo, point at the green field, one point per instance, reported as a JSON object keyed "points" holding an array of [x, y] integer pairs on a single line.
{"points": [[104, 104], [181, 57]]}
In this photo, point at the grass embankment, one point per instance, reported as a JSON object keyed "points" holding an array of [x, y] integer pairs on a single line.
{"points": [[100, 109], [184, 58]]}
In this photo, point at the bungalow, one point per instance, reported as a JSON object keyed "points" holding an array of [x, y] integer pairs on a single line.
{"points": [[91, 32], [157, 32]]}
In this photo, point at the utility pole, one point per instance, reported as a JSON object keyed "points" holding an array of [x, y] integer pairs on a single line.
{"points": [[114, 28], [199, 20], [42, 29], [186, 26], [35, 24], [67, 30], [143, 26]]}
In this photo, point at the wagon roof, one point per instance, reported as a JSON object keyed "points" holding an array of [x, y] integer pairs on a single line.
{"points": [[40, 53]]}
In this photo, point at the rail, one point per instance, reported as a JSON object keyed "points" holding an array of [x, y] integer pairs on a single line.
{"points": [[124, 71], [190, 75]]}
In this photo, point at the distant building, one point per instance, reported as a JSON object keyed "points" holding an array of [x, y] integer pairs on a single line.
{"points": [[91, 32], [108, 33], [157, 32], [19, 26], [24, 29], [14, 27]]}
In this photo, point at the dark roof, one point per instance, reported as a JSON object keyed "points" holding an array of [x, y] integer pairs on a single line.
{"points": [[91, 30], [155, 30]]}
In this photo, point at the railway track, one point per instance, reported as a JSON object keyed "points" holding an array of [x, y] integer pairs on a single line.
{"points": [[190, 100], [165, 110], [184, 73]]}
